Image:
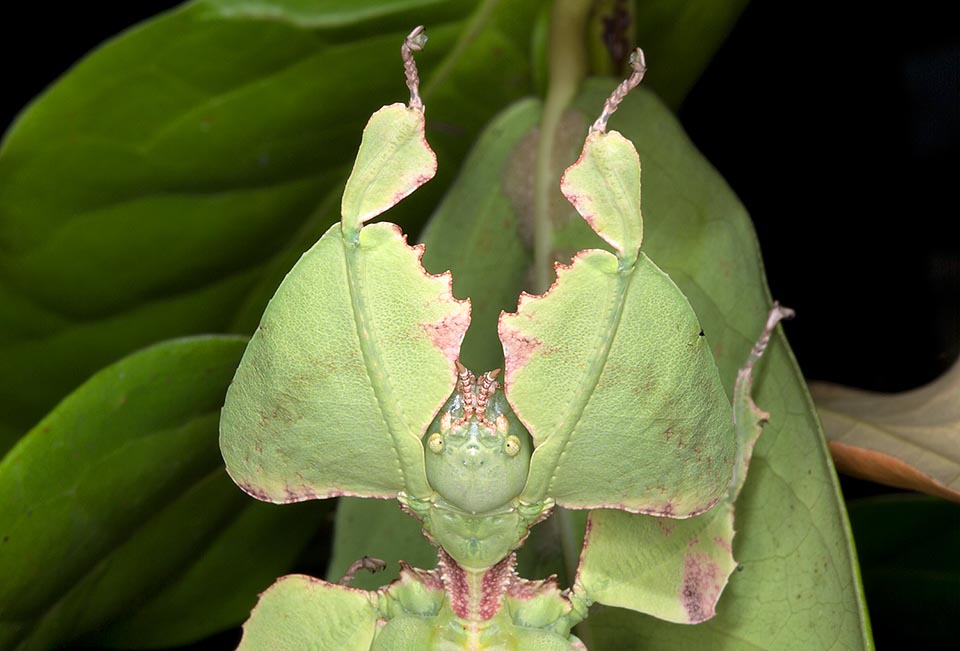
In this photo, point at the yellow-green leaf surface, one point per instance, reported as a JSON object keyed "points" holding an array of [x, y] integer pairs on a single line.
{"points": [[170, 179], [353, 358], [610, 361], [612, 358], [799, 587], [604, 186], [672, 570], [393, 161], [126, 469], [910, 439], [301, 612]]}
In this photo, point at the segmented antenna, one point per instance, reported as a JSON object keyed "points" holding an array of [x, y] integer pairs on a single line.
{"points": [[639, 64], [466, 381], [413, 43], [486, 386]]}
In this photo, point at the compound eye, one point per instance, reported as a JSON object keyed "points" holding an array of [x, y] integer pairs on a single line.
{"points": [[512, 446], [435, 443]]}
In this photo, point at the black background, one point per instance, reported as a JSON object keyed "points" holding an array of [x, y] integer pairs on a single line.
{"points": [[837, 124]]}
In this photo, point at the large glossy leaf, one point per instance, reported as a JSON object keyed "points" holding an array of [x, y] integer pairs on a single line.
{"points": [[193, 151], [799, 587], [219, 586], [910, 439], [126, 469], [491, 200]]}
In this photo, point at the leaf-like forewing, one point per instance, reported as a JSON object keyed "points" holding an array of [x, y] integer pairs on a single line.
{"points": [[352, 359], [355, 353], [610, 371], [673, 570]]}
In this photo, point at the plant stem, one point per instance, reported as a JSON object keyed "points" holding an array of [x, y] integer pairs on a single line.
{"points": [[567, 65]]}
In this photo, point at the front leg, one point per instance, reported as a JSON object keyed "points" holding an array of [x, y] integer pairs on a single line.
{"points": [[302, 612]]}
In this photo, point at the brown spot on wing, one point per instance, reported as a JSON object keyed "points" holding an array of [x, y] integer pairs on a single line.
{"points": [[254, 491], [518, 348], [447, 334], [702, 583]]}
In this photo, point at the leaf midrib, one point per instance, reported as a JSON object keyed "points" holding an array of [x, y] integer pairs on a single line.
{"points": [[376, 374], [590, 379]]}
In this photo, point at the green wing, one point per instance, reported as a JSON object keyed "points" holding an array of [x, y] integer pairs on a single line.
{"points": [[355, 353], [609, 370], [675, 570], [301, 612]]}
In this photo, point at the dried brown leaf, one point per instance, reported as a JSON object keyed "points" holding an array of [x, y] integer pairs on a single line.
{"points": [[909, 440]]}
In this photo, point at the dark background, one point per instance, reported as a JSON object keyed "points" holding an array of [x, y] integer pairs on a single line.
{"points": [[838, 127], [837, 124]]}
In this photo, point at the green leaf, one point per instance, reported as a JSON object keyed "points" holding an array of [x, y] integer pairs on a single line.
{"points": [[799, 588], [803, 559], [483, 242], [301, 612], [126, 468], [192, 153], [219, 587]]}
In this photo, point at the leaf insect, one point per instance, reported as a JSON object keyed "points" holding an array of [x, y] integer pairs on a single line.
{"points": [[352, 385]]}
